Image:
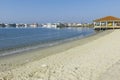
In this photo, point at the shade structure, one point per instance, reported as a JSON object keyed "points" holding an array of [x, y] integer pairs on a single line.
{"points": [[108, 22], [107, 18]]}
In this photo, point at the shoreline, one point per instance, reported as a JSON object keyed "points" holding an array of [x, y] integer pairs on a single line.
{"points": [[15, 60], [38, 46], [92, 58], [41, 45]]}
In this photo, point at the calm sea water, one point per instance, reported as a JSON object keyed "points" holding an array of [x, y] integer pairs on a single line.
{"points": [[11, 38]]}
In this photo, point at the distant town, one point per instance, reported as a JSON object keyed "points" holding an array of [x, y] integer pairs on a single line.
{"points": [[47, 25]]}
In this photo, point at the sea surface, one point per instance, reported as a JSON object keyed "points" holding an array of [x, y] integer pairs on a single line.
{"points": [[13, 40]]}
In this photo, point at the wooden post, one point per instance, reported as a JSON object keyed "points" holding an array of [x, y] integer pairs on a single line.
{"points": [[94, 24], [106, 24], [100, 26], [113, 24]]}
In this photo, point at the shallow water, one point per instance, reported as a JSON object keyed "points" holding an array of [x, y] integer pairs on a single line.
{"points": [[11, 38]]}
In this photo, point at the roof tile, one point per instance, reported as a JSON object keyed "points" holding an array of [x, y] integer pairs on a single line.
{"points": [[108, 18]]}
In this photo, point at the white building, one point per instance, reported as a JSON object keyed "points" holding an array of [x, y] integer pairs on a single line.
{"points": [[49, 25], [74, 24], [34, 25]]}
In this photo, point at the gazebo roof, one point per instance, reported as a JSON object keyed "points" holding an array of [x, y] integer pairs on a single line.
{"points": [[107, 18]]}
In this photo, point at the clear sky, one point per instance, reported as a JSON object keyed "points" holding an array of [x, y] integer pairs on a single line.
{"points": [[41, 11]]}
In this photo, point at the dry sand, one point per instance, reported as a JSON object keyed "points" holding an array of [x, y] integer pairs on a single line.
{"points": [[99, 59]]}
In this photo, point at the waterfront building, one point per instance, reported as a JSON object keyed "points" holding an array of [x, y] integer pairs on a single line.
{"points": [[34, 25], [17, 25], [50, 25], [74, 24], [6, 25], [26, 25], [108, 22], [20, 25]]}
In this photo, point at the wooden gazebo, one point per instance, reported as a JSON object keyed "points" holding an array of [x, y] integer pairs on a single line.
{"points": [[108, 22]]}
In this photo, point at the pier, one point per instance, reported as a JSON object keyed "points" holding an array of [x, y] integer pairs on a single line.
{"points": [[108, 22]]}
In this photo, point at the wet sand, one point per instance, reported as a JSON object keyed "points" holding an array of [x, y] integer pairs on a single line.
{"points": [[87, 59]]}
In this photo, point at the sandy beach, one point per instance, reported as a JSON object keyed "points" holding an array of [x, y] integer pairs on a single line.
{"points": [[93, 58]]}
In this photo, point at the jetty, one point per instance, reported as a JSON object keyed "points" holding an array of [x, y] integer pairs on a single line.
{"points": [[108, 22]]}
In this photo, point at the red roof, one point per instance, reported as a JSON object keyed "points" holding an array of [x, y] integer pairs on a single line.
{"points": [[108, 18]]}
